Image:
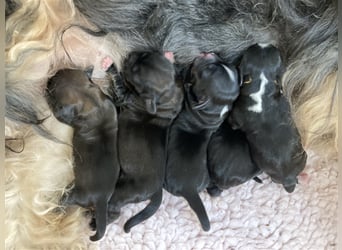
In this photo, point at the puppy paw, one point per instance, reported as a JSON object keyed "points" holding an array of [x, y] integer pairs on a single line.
{"points": [[214, 191]]}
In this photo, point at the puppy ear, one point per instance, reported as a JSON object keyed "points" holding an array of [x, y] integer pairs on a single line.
{"points": [[151, 106], [280, 74]]}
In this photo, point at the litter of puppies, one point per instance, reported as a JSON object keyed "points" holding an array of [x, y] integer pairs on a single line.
{"points": [[166, 131]]}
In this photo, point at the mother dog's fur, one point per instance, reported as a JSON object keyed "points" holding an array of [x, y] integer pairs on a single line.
{"points": [[34, 53]]}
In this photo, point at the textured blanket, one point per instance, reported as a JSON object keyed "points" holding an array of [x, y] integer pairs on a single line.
{"points": [[250, 216]]}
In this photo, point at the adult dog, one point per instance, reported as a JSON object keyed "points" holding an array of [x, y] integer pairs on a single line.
{"points": [[228, 27], [229, 159], [210, 87], [153, 102], [76, 101], [264, 114]]}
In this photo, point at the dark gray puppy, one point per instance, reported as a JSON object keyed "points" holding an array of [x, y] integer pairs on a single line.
{"points": [[264, 114], [229, 159], [76, 101], [210, 90], [152, 104]]}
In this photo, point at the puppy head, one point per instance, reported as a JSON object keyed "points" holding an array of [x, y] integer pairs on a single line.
{"points": [[260, 72], [73, 97], [260, 63], [213, 84], [150, 75]]}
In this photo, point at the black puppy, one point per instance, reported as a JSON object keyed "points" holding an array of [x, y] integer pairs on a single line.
{"points": [[229, 159], [264, 114], [211, 87], [76, 101], [152, 104]]}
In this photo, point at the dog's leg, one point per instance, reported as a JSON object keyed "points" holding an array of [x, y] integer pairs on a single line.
{"points": [[213, 190], [123, 194], [69, 198], [76, 197], [147, 212]]}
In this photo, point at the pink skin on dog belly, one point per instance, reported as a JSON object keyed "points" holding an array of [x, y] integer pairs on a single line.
{"points": [[207, 55]]}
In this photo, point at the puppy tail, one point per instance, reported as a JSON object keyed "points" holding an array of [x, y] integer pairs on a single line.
{"points": [[101, 220], [196, 204], [147, 212]]}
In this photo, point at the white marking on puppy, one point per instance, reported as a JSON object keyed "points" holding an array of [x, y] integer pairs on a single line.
{"points": [[224, 111], [230, 72], [263, 45], [257, 96]]}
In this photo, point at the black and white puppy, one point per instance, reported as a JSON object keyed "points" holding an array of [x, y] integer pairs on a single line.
{"points": [[211, 89], [76, 101], [152, 104], [229, 159], [264, 114]]}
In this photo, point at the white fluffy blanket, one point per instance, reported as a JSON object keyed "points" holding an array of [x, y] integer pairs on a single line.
{"points": [[250, 216]]}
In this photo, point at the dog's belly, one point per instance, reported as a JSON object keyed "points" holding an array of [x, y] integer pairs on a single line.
{"points": [[96, 172], [142, 158], [187, 162], [141, 147]]}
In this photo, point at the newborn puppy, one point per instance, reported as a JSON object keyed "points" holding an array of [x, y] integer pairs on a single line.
{"points": [[210, 90], [76, 101], [229, 159], [152, 104], [264, 114]]}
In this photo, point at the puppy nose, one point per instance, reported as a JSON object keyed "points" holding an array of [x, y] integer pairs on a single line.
{"points": [[290, 188]]}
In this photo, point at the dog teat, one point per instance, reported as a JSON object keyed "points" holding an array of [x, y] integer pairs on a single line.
{"points": [[169, 56], [207, 55]]}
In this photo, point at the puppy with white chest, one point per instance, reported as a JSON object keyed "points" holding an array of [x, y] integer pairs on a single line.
{"points": [[264, 114], [152, 103], [76, 101], [210, 90]]}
